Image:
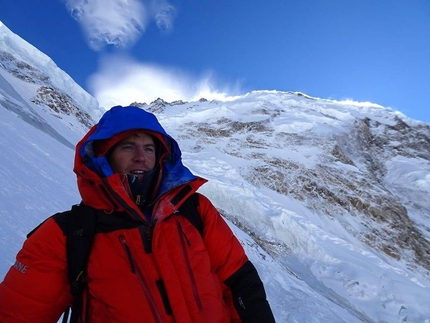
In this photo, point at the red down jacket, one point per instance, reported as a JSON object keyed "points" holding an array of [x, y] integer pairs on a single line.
{"points": [[164, 270]]}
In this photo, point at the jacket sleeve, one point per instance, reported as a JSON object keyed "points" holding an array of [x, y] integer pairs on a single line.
{"points": [[36, 289], [243, 289]]}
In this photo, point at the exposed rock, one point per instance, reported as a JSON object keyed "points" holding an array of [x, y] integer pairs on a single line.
{"points": [[61, 103]]}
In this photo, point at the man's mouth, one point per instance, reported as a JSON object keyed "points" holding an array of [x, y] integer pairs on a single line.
{"points": [[137, 172]]}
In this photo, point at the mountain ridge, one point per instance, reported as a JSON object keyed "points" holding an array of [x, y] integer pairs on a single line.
{"points": [[288, 177]]}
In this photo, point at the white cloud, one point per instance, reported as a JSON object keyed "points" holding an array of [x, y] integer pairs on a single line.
{"points": [[118, 22], [121, 80], [164, 15]]}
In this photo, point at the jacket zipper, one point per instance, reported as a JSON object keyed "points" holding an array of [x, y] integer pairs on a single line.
{"points": [[135, 215], [135, 269], [184, 243]]}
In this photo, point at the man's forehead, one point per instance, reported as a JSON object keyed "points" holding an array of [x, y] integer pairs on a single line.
{"points": [[139, 135]]}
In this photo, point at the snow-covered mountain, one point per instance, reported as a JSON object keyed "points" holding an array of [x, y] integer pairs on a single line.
{"points": [[44, 90], [330, 199]]}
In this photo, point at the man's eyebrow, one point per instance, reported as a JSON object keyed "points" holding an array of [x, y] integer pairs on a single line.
{"points": [[126, 142]]}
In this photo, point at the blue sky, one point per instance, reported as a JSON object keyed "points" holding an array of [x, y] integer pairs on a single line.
{"points": [[125, 51]]}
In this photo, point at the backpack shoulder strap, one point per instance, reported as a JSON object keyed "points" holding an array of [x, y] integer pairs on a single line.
{"points": [[80, 234], [81, 229], [189, 210]]}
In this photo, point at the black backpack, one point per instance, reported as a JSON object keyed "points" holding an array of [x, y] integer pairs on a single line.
{"points": [[80, 228]]}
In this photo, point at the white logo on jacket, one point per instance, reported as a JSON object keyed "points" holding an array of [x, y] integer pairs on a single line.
{"points": [[20, 267]]}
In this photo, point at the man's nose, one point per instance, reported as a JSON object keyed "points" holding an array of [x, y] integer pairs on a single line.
{"points": [[139, 154]]}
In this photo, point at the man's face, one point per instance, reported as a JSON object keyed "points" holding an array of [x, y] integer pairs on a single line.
{"points": [[134, 155]]}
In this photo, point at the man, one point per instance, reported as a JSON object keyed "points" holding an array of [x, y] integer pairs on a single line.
{"points": [[148, 262]]}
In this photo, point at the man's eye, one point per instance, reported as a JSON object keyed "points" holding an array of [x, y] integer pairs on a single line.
{"points": [[128, 147], [149, 150]]}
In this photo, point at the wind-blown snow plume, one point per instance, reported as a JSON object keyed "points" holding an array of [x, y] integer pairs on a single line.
{"points": [[121, 80]]}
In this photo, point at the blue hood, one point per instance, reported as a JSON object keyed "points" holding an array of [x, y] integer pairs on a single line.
{"points": [[120, 119]]}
